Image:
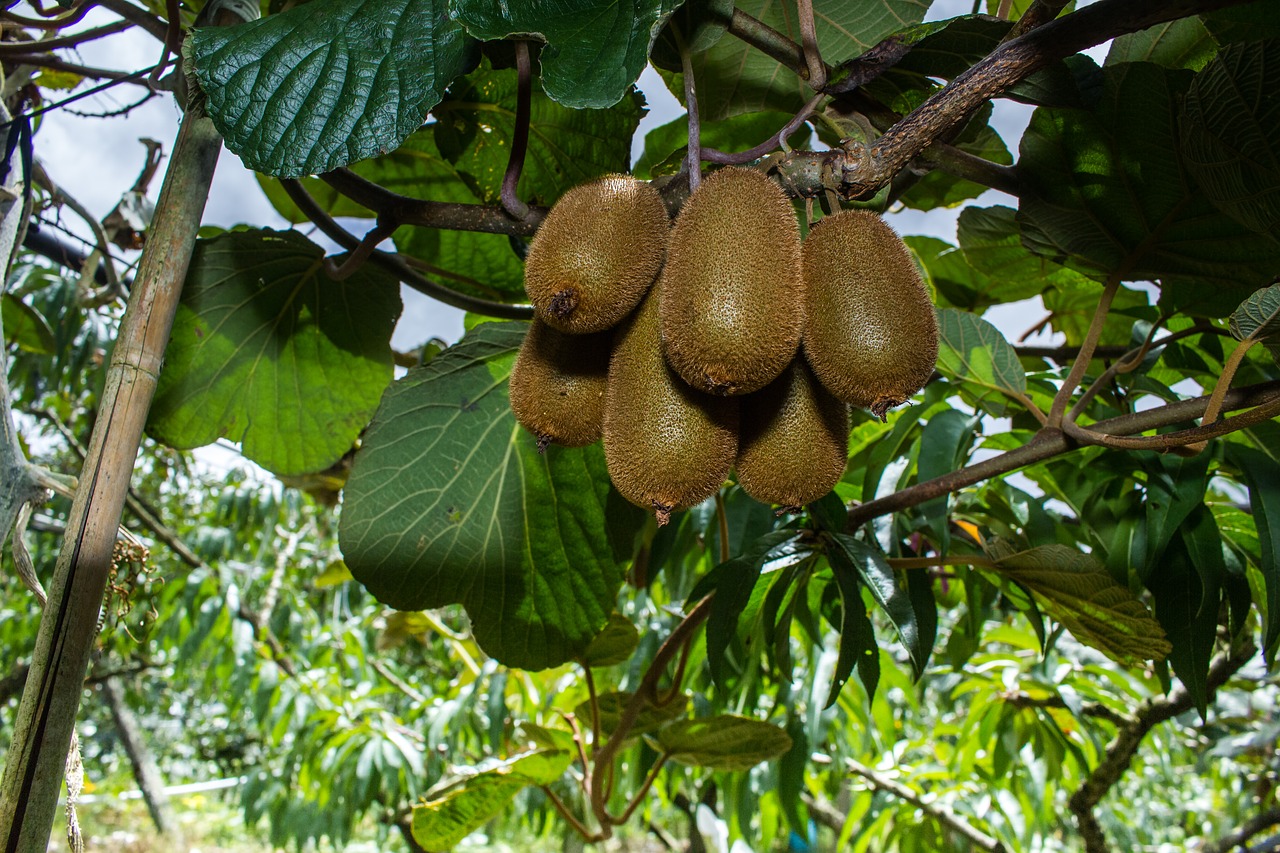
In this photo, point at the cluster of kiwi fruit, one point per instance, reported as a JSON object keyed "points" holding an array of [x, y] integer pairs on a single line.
{"points": [[702, 373]]}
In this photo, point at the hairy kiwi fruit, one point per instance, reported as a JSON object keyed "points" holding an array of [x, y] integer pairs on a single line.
{"points": [[596, 254], [870, 332], [558, 383], [731, 292], [794, 440], [667, 446]]}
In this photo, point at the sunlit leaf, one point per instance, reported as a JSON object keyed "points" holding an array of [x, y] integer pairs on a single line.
{"points": [[614, 644], [1078, 591]]}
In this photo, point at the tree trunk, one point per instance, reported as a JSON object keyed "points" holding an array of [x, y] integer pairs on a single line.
{"points": [[42, 732], [145, 769]]}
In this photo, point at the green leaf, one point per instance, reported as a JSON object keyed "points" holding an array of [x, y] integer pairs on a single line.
{"points": [[943, 445], [1231, 133], [595, 49], [441, 823], [732, 581], [449, 501], [268, 351], [1182, 43], [974, 353], [1072, 302], [858, 645], [724, 742], [650, 719], [1258, 318], [1188, 610], [1246, 22], [735, 78], [1078, 591], [1105, 191], [1262, 474], [328, 83], [475, 125], [992, 244], [870, 566], [665, 146], [26, 327], [614, 644], [1175, 488]]}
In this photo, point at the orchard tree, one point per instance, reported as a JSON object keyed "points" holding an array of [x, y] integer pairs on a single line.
{"points": [[630, 665]]}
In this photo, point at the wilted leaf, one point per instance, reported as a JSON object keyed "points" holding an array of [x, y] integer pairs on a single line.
{"points": [[449, 501], [328, 83], [725, 742], [1078, 591], [268, 351]]}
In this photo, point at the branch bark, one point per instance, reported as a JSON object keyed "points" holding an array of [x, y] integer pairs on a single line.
{"points": [[1053, 442], [1122, 748], [46, 717], [1253, 826]]}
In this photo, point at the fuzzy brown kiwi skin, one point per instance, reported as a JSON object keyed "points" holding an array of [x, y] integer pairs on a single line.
{"points": [[794, 440], [558, 385], [731, 291], [596, 254], [667, 446], [870, 335]]}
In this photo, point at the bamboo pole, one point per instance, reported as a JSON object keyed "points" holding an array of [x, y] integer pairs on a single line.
{"points": [[46, 717]]}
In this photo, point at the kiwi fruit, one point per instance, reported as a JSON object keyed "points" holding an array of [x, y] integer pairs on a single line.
{"points": [[870, 333], [558, 383], [794, 440], [731, 292], [667, 446], [596, 254]]}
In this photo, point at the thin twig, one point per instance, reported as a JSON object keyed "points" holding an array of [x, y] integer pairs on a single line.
{"points": [[11, 48], [934, 809], [1172, 440], [54, 63], [1251, 827], [1081, 364], [137, 15], [360, 254], [814, 66], [693, 157], [773, 143]]}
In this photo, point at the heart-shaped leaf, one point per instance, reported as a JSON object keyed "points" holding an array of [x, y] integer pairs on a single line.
{"points": [[268, 351], [449, 501]]}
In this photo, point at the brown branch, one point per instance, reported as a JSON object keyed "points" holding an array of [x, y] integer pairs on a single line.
{"points": [[1050, 442], [1038, 13], [1122, 748], [53, 63], [865, 171], [453, 216], [934, 809], [510, 195], [1253, 826], [962, 164], [396, 265], [11, 48], [137, 15], [1180, 438], [769, 41]]}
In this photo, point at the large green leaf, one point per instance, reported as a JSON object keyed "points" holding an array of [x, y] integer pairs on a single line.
{"points": [[1187, 607], [1231, 133], [449, 501], [1105, 190], [992, 243], [1079, 592], [858, 645], [972, 352], [595, 49], [26, 327], [268, 351], [1247, 22], [475, 125], [1175, 488], [1262, 473], [1183, 43], [328, 83], [726, 742], [734, 78]]}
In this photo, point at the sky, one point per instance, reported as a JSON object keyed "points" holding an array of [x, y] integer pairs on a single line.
{"points": [[96, 160]]}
